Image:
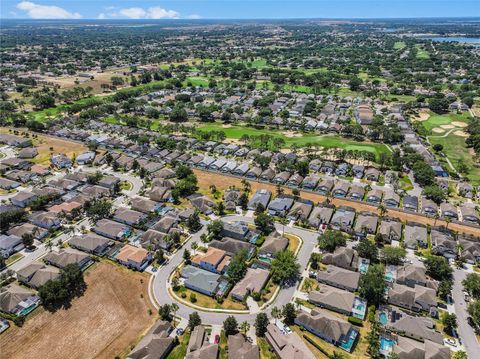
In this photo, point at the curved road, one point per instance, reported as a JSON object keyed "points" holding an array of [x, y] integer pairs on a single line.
{"points": [[160, 289]]}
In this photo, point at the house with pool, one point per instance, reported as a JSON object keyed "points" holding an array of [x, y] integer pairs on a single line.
{"points": [[332, 329], [339, 301]]}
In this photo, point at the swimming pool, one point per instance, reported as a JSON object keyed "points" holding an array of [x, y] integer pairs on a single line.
{"points": [[383, 318], [351, 341], [386, 345]]}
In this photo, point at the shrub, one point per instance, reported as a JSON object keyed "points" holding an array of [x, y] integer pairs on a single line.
{"points": [[356, 321], [193, 297]]}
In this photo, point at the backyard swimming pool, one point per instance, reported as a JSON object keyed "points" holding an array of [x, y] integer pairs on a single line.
{"points": [[386, 345], [383, 318]]}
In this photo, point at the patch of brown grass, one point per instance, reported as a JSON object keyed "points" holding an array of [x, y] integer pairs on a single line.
{"points": [[106, 321]]}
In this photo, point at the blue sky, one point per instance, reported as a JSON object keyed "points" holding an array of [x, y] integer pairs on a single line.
{"points": [[235, 9]]}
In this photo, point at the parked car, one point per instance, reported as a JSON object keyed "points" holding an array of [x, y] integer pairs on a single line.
{"points": [[217, 339], [180, 331], [450, 342]]}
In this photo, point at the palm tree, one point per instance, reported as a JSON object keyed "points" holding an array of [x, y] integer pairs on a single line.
{"points": [[436, 217], [194, 247], [244, 327], [49, 245], [382, 209], [283, 220], [448, 220], [276, 313], [174, 307], [337, 355]]}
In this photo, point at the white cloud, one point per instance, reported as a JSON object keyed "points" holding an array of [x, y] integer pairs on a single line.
{"points": [[36, 11], [194, 16], [101, 16], [155, 12], [133, 13]]}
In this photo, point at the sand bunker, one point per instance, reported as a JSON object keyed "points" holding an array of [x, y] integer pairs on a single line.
{"points": [[447, 127], [459, 124], [422, 116], [438, 130], [291, 134], [226, 126], [460, 133]]}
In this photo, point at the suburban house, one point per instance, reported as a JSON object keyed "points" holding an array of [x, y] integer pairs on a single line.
{"points": [[109, 182], [214, 260], [155, 239], [321, 214], [273, 244], [342, 257], [332, 329], [287, 346], [325, 186], [198, 347], [17, 300], [448, 210], [334, 299], [429, 208], [470, 251], [134, 257], [300, 211], [469, 213], [28, 228], [47, 220], [157, 343], [410, 203], [339, 277], [23, 199], [341, 189], [391, 199], [201, 280], [61, 161], [253, 282], [357, 192], [417, 298], [86, 158], [111, 229], [129, 216], [90, 243], [412, 275], [406, 348], [232, 246], [443, 244], [311, 181], [418, 328], [391, 230], [10, 244], [366, 224], [280, 206], [372, 174], [343, 218], [261, 196], [37, 274], [237, 230], [145, 205], [67, 256], [202, 203], [374, 196], [415, 235], [240, 348]]}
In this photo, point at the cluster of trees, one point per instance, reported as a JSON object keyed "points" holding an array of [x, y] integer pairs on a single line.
{"points": [[186, 184], [58, 292], [472, 285]]}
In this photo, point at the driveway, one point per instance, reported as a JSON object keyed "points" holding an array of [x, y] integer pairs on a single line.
{"points": [[160, 290]]}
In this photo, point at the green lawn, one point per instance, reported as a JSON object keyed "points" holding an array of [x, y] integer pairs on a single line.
{"points": [[421, 52], [437, 120], [13, 258], [399, 45], [327, 141], [180, 350], [455, 148]]}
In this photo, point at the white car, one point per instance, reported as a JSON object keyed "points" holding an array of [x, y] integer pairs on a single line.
{"points": [[450, 342]]}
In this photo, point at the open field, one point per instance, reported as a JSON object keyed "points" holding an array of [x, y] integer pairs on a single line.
{"points": [[422, 54], [106, 321], [399, 45], [327, 141], [48, 145], [222, 182], [208, 302]]}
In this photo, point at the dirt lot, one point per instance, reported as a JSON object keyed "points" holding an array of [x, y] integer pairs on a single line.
{"points": [[222, 182], [103, 323]]}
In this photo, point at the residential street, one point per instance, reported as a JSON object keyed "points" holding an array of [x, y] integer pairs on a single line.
{"points": [[285, 295]]}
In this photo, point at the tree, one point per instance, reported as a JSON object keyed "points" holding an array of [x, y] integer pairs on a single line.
{"points": [[437, 147], [449, 322], [194, 320], [178, 114], [27, 240], [373, 339], [435, 193], [367, 249], [438, 105], [238, 266], [244, 327], [261, 323], [331, 239], [165, 312], [284, 267], [264, 223], [183, 171], [315, 259], [230, 326], [289, 313], [460, 355], [472, 285], [193, 222], [337, 355], [372, 284], [438, 268], [98, 209], [276, 313], [186, 255], [243, 201], [174, 308], [215, 229], [444, 289], [393, 255]]}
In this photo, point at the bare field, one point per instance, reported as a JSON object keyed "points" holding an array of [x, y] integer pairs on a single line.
{"points": [[106, 321], [222, 182]]}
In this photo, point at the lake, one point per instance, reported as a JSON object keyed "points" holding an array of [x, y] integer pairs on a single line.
{"points": [[466, 40]]}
